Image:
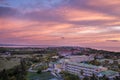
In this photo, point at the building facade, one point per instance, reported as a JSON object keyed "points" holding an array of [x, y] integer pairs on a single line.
{"points": [[88, 70], [83, 69]]}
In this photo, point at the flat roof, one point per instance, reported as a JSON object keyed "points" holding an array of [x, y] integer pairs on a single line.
{"points": [[84, 65], [108, 73]]}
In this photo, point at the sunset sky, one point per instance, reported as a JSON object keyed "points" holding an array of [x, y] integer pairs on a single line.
{"points": [[85, 23]]}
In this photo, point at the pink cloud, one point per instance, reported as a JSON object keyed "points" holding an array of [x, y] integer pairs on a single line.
{"points": [[91, 23]]}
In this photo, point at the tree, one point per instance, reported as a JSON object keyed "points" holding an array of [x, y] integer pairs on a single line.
{"points": [[20, 71], [117, 78], [119, 66], [23, 67], [3, 50], [94, 77], [86, 78], [105, 78], [94, 62], [13, 78], [68, 76], [106, 62], [4, 75], [39, 71]]}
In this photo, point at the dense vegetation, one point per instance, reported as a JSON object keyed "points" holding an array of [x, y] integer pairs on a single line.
{"points": [[68, 76], [16, 73]]}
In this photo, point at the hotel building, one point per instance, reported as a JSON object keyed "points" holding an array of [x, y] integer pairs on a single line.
{"points": [[87, 69]]}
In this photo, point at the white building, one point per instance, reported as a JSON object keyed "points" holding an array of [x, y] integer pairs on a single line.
{"points": [[87, 69], [80, 58], [56, 66], [109, 73]]}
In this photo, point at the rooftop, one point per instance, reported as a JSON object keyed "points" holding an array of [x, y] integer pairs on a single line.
{"points": [[84, 65], [108, 73]]}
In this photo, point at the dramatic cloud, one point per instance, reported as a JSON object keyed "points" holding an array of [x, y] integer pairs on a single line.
{"points": [[8, 12], [113, 40], [88, 23]]}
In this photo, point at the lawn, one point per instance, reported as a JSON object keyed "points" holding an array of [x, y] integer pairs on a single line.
{"points": [[42, 76], [8, 64]]}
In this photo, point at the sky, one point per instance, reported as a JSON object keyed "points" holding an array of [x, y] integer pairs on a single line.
{"points": [[85, 23]]}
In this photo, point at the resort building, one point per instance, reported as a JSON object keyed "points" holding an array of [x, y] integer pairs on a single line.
{"points": [[80, 58], [86, 69], [56, 66], [109, 73]]}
